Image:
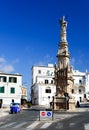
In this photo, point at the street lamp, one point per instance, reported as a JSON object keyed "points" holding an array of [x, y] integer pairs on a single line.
{"points": [[49, 100]]}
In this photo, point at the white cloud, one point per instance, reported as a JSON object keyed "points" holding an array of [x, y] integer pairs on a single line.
{"points": [[46, 60], [2, 60], [5, 66]]}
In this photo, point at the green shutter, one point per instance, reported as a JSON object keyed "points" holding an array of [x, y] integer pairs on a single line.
{"points": [[2, 89], [12, 90]]}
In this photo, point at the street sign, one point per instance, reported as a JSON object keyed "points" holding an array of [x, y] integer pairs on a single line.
{"points": [[42, 113], [49, 114], [45, 113]]}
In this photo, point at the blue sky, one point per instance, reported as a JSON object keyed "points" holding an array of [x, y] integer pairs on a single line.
{"points": [[29, 34]]}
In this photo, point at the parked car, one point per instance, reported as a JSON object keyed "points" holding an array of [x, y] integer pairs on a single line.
{"points": [[15, 108]]}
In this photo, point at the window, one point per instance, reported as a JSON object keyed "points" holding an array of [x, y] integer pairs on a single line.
{"points": [[51, 73], [12, 90], [46, 81], [3, 79], [2, 89], [72, 90], [84, 95], [48, 97], [80, 91], [80, 81], [48, 90], [48, 73], [51, 81], [39, 71], [12, 79]]}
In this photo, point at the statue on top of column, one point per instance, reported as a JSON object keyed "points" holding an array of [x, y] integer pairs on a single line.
{"points": [[63, 24]]}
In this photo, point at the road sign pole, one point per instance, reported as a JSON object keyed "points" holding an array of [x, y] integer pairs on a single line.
{"points": [[39, 115], [52, 115]]}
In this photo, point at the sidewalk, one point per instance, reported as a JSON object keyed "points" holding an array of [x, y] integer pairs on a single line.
{"points": [[4, 112]]}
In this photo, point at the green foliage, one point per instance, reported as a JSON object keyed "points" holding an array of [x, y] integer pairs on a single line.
{"points": [[29, 104]]}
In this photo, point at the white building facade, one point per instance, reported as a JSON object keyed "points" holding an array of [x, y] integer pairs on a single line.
{"points": [[43, 88], [87, 86], [10, 88], [79, 85]]}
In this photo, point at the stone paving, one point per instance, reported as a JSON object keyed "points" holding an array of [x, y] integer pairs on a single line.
{"points": [[82, 108], [4, 112]]}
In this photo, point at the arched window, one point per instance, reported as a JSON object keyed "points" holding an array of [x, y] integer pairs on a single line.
{"points": [[46, 81]]}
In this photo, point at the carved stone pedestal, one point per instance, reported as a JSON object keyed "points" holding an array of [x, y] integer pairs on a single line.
{"points": [[60, 103], [72, 104]]}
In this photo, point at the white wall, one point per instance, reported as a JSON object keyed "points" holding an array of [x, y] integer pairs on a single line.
{"points": [[47, 72], [39, 86], [77, 75], [44, 72], [7, 96], [87, 82], [46, 98]]}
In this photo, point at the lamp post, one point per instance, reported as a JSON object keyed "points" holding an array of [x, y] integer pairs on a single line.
{"points": [[49, 100]]}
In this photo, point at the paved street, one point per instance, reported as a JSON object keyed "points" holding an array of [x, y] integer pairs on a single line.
{"points": [[78, 122], [63, 121], [29, 120]]}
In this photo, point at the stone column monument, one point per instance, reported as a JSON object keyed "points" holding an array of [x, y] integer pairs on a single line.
{"points": [[63, 73]]}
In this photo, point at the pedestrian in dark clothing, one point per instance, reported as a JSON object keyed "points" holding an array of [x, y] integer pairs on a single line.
{"points": [[78, 105]]}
